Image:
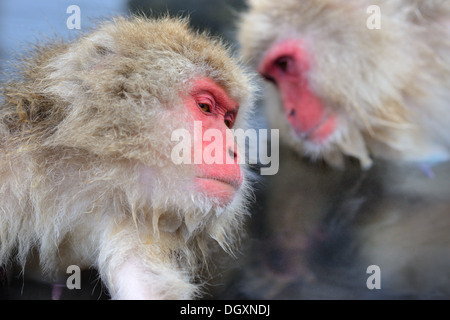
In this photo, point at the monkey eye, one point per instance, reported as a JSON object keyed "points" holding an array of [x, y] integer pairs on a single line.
{"points": [[205, 107], [282, 63]]}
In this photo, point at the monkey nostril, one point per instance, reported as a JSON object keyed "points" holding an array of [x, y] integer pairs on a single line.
{"points": [[232, 153], [291, 113]]}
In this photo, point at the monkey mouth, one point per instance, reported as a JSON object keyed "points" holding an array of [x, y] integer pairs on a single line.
{"points": [[222, 190], [320, 132], [235, 184]]}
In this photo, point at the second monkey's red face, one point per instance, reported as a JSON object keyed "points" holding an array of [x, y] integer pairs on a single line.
{"points": [[287, 64], [215, 155]]}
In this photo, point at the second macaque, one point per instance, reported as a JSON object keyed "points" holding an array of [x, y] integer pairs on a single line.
{"points": [[373, 103], [339, 88]]}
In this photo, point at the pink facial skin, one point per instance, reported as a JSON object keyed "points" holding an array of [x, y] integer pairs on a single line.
{"points": [[210, 104], [287, 64]]}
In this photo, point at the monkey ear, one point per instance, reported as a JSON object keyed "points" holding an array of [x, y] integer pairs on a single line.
{"points": [[101, 45], [70, 68]]}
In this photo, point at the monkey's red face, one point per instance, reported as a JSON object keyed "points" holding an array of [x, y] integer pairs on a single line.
{"points": [[286, 64], [218, 173]]}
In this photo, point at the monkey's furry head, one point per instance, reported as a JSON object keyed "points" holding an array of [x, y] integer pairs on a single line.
{"points": [[85, 132], [390, 86]]}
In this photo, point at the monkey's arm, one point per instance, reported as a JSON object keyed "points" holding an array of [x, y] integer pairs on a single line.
{"points": [[136, 268]]}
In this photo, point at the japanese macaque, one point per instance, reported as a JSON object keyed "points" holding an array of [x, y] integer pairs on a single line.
{"points": [[373, 102], [87, 169], [340, 88]]}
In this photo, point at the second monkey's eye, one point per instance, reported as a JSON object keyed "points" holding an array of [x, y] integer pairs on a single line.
{"points": [[282, 63], [205, 107]]}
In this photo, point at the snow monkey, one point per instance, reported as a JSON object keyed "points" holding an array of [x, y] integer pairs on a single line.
{"points": [[372, 100], [341, 88], [87, 143]]}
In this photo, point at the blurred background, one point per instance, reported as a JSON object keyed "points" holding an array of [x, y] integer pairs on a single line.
{"points": [[28, 21]]}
